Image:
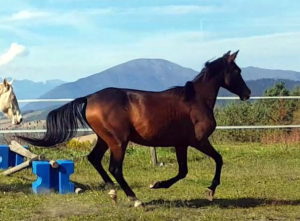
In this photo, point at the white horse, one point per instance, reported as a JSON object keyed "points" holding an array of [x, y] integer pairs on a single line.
{"points": [[8, 102]]}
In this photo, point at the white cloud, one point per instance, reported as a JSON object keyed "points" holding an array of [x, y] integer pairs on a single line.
{"points": [[184, 9], [14, 51], [190, 49], [26, 14], [23, 19], [63, 16], [158, 10], [193, 49]]}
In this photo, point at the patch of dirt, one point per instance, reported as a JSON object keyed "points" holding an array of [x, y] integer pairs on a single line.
{"points": [[91, 138], [65, 208]]}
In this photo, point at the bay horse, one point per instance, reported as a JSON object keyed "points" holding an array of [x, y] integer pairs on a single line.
{"points": [[8, 102], [180, 117]]}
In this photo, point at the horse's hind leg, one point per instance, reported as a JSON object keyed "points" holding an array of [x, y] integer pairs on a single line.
{"points": [[181, 154], [116, 169], [205, 147], [95, 158]]}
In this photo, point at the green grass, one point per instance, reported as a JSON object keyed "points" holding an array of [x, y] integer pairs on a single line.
{"points": [[259, 182]]}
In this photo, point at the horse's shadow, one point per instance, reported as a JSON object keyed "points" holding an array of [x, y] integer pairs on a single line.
{"points": [[99, 187], [247, 202], [15, 188]]}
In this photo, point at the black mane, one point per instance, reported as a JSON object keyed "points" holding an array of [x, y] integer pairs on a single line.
{"points": [[187, 91], [211, 67]]}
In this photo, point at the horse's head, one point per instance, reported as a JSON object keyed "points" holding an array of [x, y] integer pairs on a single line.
{"points": [[233, 80], [8, 102]]}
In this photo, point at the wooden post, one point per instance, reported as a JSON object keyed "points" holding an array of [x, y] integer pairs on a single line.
{"points": [[153, 156], [53, 164]]}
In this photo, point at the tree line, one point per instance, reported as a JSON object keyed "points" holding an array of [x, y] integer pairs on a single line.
{"points": [[259, 112]]}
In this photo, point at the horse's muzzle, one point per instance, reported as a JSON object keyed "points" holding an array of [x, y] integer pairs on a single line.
{"points": [[17, 121], [244, 98], [246, 95]]}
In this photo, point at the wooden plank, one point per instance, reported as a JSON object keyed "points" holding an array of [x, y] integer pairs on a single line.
{"points": [[19, 149], [17, 168], [153, 156]]}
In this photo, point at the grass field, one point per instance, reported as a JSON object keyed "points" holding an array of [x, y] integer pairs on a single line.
{"points": [[259, 182]]}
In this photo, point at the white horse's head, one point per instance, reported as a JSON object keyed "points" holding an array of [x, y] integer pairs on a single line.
{"points": [[8, 102]]}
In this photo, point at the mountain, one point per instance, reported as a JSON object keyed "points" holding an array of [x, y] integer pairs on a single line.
{"points": [[26, 89], [155, 74], [259, 86], [146, 74], [254, 73]]}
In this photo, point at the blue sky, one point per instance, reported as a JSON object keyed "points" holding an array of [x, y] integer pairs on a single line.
{"points": [[71, 39]]}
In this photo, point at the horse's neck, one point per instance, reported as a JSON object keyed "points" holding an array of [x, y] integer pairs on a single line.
{"points": [[3, 101], [207, 89]]}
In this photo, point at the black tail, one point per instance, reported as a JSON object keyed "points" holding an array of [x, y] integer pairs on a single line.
{"points": [[62, 124]]}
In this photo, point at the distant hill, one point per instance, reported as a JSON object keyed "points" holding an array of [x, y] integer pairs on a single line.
{"points": [[27, 89], [157, 74], [258, 87], [146, 74], [254, 73]]}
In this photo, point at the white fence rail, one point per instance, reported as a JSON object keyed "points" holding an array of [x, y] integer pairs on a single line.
{"points": [[218, 127], [218, 98], [44, 100], [260, 98]]}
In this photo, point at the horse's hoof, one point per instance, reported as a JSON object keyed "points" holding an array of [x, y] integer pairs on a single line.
{"points": [[113, 195], [138, 203], [209, 194], [155, 185], [78, 190]]}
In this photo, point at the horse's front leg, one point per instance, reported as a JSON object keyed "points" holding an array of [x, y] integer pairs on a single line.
{"points": [[181, 154], [205, 147], [204, 123]]}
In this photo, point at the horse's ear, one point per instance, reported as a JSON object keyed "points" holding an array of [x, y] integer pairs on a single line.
{"points": [[5, 83], [226, 55], [232, 57]]}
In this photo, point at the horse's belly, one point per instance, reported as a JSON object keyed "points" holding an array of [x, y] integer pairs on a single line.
{"points": [[172, 135], [159, 142]]}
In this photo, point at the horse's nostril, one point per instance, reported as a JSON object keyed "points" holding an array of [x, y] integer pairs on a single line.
{"points": [[246, 97], [19, 121]]}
